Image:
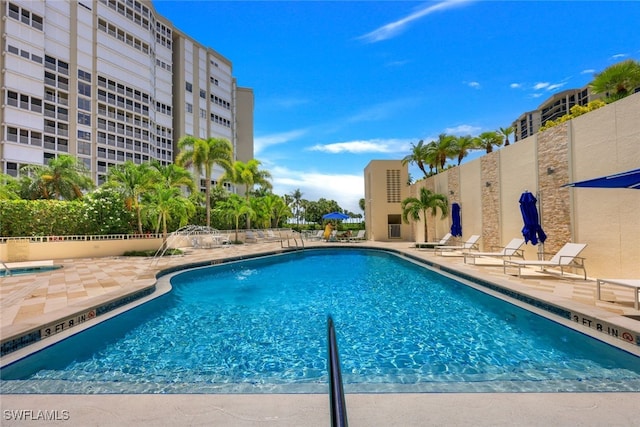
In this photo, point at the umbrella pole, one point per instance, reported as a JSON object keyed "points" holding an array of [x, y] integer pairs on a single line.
{"points": [[541, 245]]}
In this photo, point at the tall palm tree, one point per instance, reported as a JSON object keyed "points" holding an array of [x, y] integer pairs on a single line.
{"points": [[64, 177], [419, 156], [413, 208], [618, 80], [296, 197], [172, 175], [132, 181], [203, 155], [462, 145], [505, 132], [248, 174], [233, 208], [279, 209], [165, 204], [488, 140], [443, 149]]}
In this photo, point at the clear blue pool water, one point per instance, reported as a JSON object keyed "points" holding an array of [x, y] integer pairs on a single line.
{"points": [[259, 326], [28, 270]]}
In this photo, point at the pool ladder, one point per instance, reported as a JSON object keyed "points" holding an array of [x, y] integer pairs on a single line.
{"points": [[337, 403], [6, 269]]}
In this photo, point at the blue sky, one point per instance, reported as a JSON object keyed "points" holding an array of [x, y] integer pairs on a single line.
{"points": [[340, 83]]}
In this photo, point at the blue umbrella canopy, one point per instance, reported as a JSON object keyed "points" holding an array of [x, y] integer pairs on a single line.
{"points": [[335, 215], [456, 226], [629, 179], [532, 230]]}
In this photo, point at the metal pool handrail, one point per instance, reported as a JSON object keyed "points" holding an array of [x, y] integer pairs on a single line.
{"points": [[336, 391], [6, 269]]}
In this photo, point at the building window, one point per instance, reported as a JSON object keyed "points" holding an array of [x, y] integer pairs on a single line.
{"points": [[84, 118], [189, 108], [189, 87], [203, 94]]}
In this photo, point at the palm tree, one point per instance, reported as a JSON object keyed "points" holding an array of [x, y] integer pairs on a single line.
{"points": [[419, 156], [279, 209], [172, 175], [165, 204], [462, 145], [248, 174], [488, 140], [203, 154], [233, 208], [296, 197], [413, 208], [64, 177], [505, 132], [132, 181], [443, 149], [618, 80]]}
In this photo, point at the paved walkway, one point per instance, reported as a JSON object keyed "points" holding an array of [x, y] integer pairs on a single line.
{"points": [[30, 301]]}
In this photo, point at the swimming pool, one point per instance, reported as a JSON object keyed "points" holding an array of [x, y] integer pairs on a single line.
{"points": [[259, 326], [17, 271]]}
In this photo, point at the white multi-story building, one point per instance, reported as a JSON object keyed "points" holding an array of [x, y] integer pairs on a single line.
{"points": [[109, 81]]}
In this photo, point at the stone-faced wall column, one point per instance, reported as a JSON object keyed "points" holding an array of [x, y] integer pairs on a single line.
{"points": [[490, 178], [553, 199]]}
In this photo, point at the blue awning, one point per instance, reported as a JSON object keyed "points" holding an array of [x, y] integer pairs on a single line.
{"points": [[629, 179]]}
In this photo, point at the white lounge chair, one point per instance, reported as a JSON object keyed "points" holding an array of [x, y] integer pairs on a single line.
{"points": [[628, 283], [469, 245], [358, 237], [566, 257], [511, 250], [431, 245], [250, 237], [317, 236]]}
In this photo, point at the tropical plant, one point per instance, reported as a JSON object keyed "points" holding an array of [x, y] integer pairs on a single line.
{"points": [[419, 156], [618, 80], [202, 155], [413, 208], [9, 187], [165, 204], [172, 175], [575, 111], [62, 178], [488, 140], [296, 201], [248, 174], [233, 208], [461, 146], [132, 181], [277, 209], [505, 132], [443, 149]]}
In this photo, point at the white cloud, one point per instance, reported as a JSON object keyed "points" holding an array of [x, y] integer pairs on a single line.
{"points": [[345, 189], [393, 29], [262, 142], [555, 86], [474, 85], [618, 56], [541, 85], [359, 147], [463, 130], [589, 71], [515, 85]]}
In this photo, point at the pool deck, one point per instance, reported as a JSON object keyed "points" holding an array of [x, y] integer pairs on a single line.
{"points": [[30, 301]]}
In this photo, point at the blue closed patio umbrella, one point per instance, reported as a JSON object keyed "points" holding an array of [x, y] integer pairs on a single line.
{"points": [[456, 226], [335, 215], [532, 230]]}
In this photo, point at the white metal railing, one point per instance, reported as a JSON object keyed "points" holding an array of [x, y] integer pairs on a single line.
{"points": [[80, 238]]}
